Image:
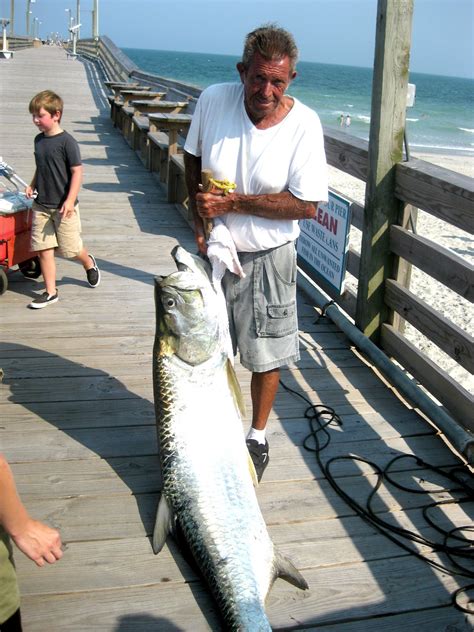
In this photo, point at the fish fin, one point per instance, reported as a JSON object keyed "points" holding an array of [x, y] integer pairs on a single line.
{"points": [[285, 569], [253, 472], [163, 525], [235, 388]]}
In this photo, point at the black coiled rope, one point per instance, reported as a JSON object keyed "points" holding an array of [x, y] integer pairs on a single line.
{"points": [[320, 417]]}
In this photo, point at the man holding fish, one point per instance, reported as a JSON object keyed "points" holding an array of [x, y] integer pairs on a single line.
{"points": [[272, 147]]}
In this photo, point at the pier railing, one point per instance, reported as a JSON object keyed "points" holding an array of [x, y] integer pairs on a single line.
{"points": [[116, 66], [419, 185], [446, 195], [17, 42]]}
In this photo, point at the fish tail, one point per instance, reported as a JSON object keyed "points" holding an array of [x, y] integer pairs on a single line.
{"points": [[285, 569]]}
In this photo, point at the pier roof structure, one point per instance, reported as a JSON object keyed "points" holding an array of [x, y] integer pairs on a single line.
{"points": [[78, 423]]}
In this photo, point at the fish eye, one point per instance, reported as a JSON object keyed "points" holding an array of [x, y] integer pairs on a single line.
{"points": [[170, 302]]}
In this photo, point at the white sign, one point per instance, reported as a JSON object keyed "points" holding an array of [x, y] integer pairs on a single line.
{"points": [[411, 92], [324, 240]]}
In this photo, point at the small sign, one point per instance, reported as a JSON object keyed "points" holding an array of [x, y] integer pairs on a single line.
{"points": [[411, 92], [324, 240]]}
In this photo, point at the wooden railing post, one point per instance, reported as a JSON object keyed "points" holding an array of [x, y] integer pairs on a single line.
{"points": [[402, 269], [389, 90]]}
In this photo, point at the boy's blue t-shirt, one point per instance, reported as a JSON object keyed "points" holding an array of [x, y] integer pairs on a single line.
{"points": [[54, 156]]}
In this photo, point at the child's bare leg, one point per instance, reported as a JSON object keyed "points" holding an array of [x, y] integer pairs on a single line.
{"points": [[90, 266], [48, 269], [84, 258]]}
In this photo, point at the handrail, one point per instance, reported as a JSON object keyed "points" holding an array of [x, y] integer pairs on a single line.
{"points": [[18, 42]]}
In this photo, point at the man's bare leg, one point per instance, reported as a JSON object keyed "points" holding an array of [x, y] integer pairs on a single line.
{"points": [[263, 388]]}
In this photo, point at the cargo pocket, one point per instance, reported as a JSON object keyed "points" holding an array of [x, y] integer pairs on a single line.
{"points": [[275, 293]]}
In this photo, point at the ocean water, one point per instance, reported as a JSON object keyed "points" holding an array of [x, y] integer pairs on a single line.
{"points": [[441, 120]]}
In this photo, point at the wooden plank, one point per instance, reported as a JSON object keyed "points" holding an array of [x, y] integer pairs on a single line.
{"points": [[353, 262], [402, 269], [138, 472], [426, 620], [132, 514], [458, 401], [386, 587], [448, 336], [287, 444], [110, 387], [356, 412], [357, 215], [440, 263], [443, 193], [130, 561], [348, 153], [47, 366]]}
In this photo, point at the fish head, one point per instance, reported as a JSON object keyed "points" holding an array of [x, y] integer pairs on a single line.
{"points": [[185, 261], [187, 310]]}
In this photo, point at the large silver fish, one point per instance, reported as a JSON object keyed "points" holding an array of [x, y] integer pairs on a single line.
{"points": [[208, 478]]}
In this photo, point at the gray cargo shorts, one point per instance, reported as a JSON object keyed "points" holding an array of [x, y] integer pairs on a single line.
{"points": [[262, 308]]}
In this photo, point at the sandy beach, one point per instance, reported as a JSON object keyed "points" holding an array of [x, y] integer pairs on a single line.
{"points": [[448, 303]]}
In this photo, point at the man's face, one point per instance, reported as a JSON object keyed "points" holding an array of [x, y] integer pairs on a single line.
{"points": [[265, 82], [45, 121]]}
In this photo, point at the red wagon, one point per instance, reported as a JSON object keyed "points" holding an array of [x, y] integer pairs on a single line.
{"points": [[15, 228]]}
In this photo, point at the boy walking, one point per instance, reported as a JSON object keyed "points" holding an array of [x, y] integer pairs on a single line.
{"points": [[57, 180]]}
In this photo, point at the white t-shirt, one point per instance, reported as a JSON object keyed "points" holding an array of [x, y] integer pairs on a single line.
{"points": [[288, 156]]}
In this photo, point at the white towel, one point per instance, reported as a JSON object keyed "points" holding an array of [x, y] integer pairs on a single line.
{"points": [[222, 254]]}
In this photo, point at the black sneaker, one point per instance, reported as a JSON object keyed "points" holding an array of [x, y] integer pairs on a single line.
{"points": [[44, 300], [93, 274], [259, 454]]}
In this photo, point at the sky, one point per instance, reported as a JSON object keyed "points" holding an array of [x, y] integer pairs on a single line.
{"points": [[327, 31]]}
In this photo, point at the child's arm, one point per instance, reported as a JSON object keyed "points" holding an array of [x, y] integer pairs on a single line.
{"points": [[29, 191], [67, 208], [35, 539]]}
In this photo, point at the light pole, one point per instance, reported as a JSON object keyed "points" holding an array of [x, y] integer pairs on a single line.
{"points": [[36, 29], [69, 22], [78, 16], [95, 28], [28, 13], [12, 17]]}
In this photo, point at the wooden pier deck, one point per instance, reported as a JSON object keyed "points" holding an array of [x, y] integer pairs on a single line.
{"points": [[77, 422]]}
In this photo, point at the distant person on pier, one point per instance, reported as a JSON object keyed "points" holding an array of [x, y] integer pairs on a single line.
{"points": [[56, 182], [272, 146], [36, 540]]}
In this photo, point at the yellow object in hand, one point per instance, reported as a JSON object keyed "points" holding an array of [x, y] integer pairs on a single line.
{"points": [[225, 185]]}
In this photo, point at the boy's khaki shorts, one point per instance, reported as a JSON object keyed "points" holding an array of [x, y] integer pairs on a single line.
{"points": [[261, 307], [50, 230]]}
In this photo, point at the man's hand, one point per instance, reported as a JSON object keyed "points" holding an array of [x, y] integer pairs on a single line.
{"points": [[39, 542], [213, 204]]}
